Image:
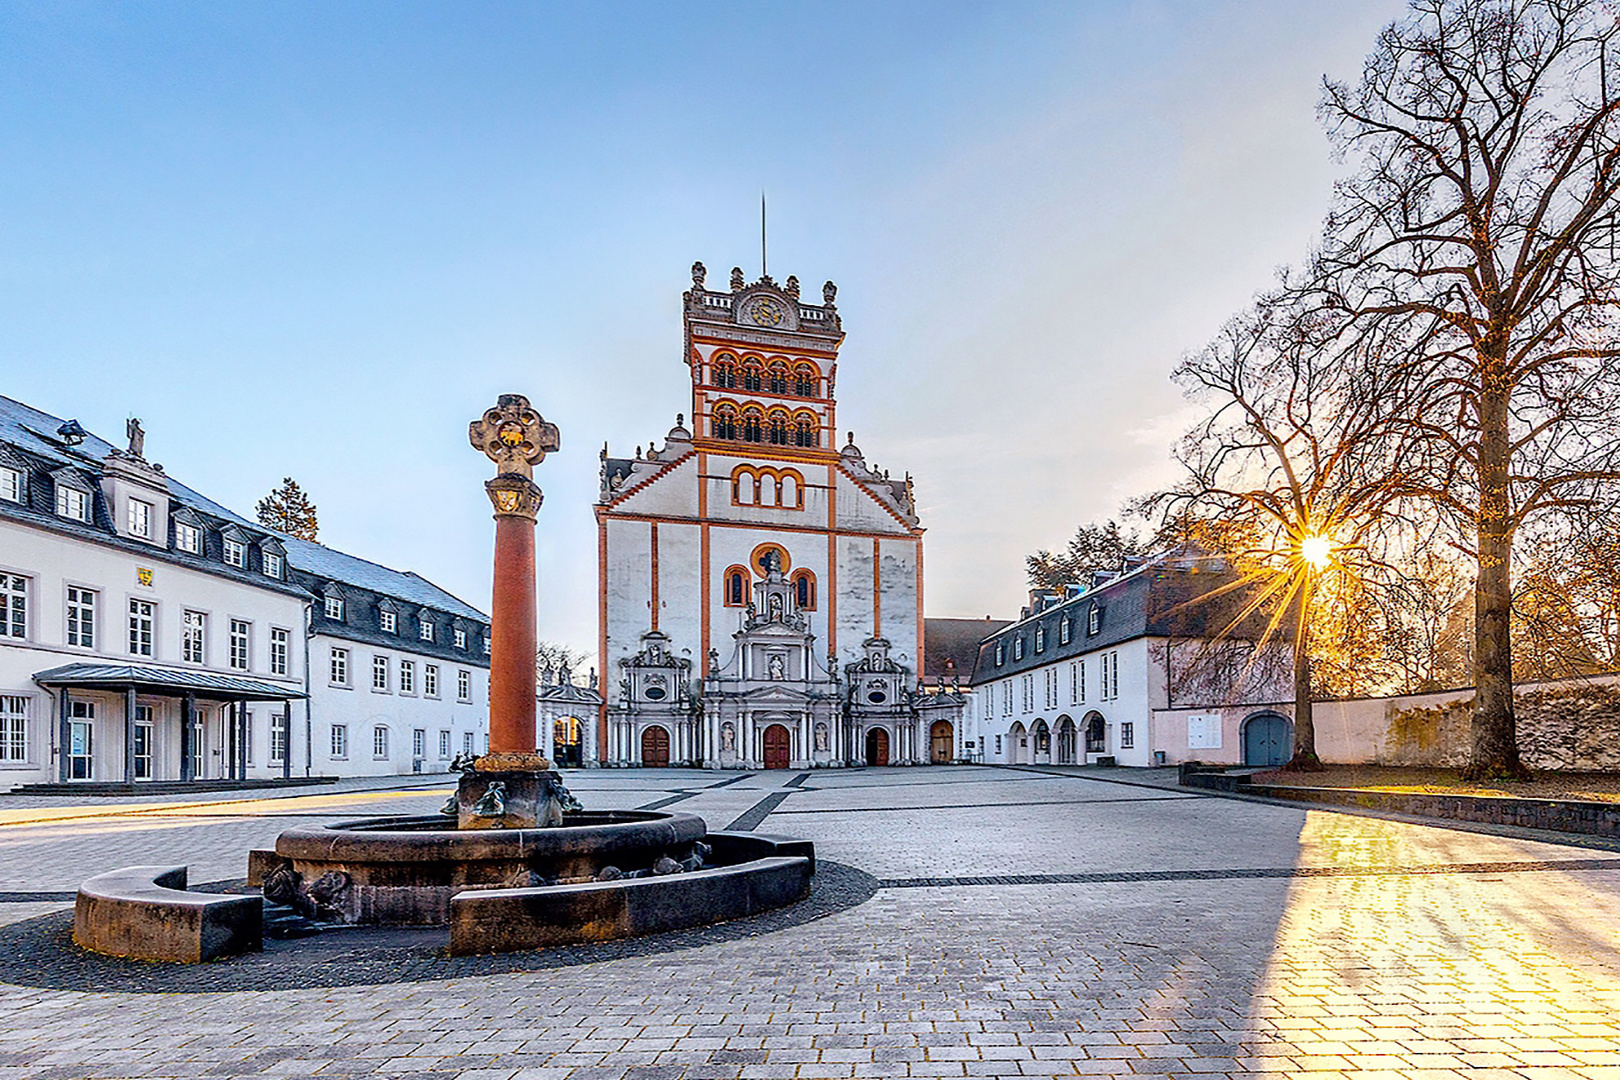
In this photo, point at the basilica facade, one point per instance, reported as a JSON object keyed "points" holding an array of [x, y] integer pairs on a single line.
{"points": [[761, 587]]}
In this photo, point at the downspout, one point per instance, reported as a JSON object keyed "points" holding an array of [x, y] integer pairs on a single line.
{"points": [[309, 727]]}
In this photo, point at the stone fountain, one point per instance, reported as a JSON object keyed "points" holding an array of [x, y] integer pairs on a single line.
{"points": [[523, 866]]}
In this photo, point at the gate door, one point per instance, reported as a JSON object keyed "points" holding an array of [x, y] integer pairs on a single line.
{"points": [[778, 744], [655, 747], [877, 747], [1265, 740]]}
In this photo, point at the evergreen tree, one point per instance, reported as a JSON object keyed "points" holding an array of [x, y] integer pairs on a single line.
{"points": [[289, 510]]}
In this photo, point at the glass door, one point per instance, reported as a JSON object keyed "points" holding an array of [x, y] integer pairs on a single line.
{"points": [[81, 748], [143, 742]]}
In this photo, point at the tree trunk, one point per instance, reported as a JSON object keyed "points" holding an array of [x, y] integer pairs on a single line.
{"points": [[1495, 754], [1304, 726]]}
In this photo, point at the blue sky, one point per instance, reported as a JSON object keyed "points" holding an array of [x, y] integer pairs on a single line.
{"points": [[316, 239]]}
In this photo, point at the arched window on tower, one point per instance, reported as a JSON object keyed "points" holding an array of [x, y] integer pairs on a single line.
{"points": [[778, 378], [778, 429], [724, 423], [744, 487], [751, 426], [804, 590], [724, 371], [806, 432], [804, 381], [751, 378], [736, 594]]}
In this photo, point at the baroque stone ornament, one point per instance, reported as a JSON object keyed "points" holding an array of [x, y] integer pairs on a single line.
{"points": [[514, 436]]}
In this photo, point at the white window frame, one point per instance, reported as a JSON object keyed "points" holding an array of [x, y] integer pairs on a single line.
{"points": [[389, 621], [444, 745], [1065, 629], [11, 485], [430, 680], [187, 538], [419, 742], [71, 503], [379, 743], [278, 738], [424, 629], [271, 563], [280, 649], [461, 638], [466, 742], [235, 553], [138, 516], [340, 742], [239, 657], [194, 637], [463, 684], [14, 606], [407, 677], [138, 617], [379, 674], [334, 608], [1127, 735], [16, 729], [80, 626], [338, 669]]}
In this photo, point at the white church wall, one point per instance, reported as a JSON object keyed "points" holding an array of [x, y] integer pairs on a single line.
{"points": [[672, 493]]}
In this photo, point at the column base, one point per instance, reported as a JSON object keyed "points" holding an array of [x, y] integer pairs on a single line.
{"points": [[509, 798]]}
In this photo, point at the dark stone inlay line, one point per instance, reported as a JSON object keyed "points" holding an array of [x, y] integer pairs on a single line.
{"points": [[659, 804], [984, 806], [36, 897], [1118, 876], [739, 778], [757, 813], [797, 781]]}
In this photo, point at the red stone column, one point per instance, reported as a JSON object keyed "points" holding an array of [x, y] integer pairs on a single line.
{"points": [[512, 639]]}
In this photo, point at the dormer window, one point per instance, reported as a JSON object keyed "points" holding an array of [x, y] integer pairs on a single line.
{"points": [[1001, 653], [272, 564], [72, 503], [1018, 648], [1065, 630], [390, 622], [140, 518], [188, 537], [1094, 620], [461, 638], [11, 484], [424, 628], [236, 553], [334, 607], [1040, 639]]}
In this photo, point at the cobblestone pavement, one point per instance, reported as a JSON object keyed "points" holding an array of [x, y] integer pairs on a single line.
{"points": [[1155, 933]]}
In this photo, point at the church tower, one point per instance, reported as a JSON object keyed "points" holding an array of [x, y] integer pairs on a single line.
{"points": [[754, 493]]}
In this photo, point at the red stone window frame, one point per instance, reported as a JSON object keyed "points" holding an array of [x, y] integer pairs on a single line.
{"points": [[735, 583], [804, 589]]}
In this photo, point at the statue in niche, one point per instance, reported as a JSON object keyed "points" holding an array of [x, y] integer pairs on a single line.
{"points": [[137, 437], [777, 668], [776, 607], [821, 737], [728, 737]]}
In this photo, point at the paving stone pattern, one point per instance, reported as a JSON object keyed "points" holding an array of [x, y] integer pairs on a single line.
{"points": [[1353, 948]]}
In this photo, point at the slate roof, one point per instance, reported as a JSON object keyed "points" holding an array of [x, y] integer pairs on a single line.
{"points": [[34, 432], [957, 641], [1158, 599], [150, 677]]}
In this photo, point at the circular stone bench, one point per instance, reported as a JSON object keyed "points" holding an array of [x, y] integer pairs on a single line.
{"points": [[145, 913]]}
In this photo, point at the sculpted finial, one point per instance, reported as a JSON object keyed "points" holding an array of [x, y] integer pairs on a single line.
{"points": [[137, 437], [829, 293], [699, 272], [792, 286], [736, 279], [513, 436]]}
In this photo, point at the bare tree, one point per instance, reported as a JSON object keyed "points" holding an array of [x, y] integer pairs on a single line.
{"points": [[1478, 231], [1092, 548], [552, 659], [1300, 461]]}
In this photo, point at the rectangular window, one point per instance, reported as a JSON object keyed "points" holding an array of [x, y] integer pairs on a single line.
{"points": [[334, 608], [340, 667], [247, 737], [11, 485], [390, 622], [1127, 735], [379, 673], [272, 564], [425, 629], [1006, 698], [444, 745], [140, 518], [278, 651], [1093, 620], [14, 728], [142, 750], [81, 617], [379, 741], [13, 606], [1040, 639], [340, 740], [188, 537], [419, 743], [463, 686], [461, 638], [142, 614], [240, 640], [72, 503], [236, 553], [278, 739], [193, 637], [466, 742], [1063, 631], [1082, 667], [1113, 684], [430, 680]]}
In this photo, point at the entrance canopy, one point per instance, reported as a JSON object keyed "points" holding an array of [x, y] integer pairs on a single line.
{"points": [[147, 679]]}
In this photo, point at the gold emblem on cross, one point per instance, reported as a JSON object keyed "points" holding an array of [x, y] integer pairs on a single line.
{"points": [[513, 436]]}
